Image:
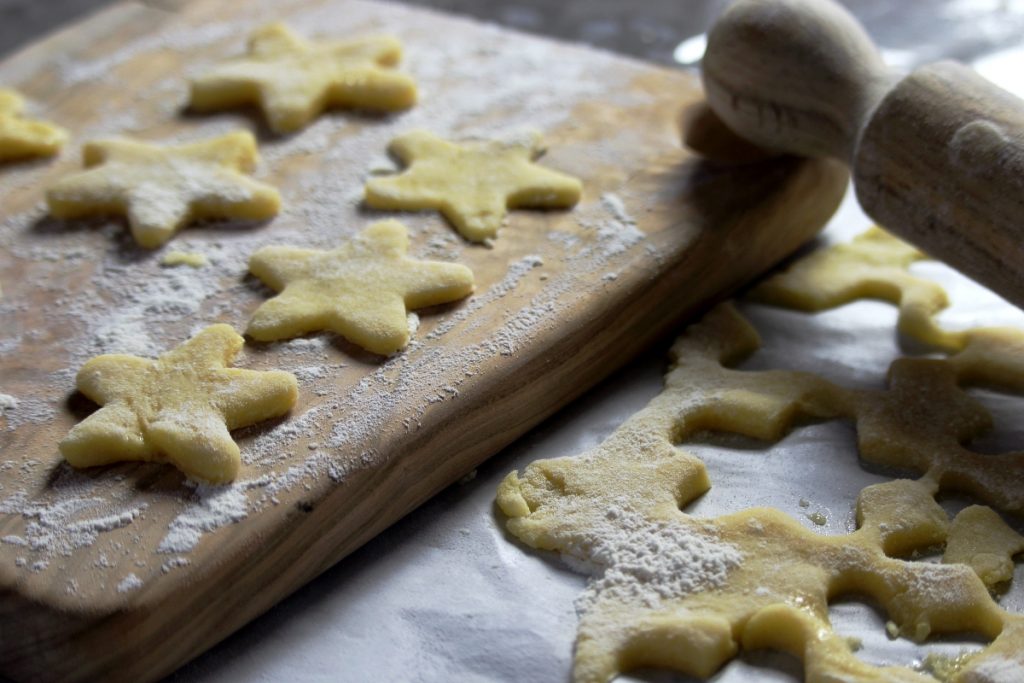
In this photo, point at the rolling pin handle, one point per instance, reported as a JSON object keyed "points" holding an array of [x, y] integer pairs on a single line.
{"points": [[941, 163], [937, 157]]}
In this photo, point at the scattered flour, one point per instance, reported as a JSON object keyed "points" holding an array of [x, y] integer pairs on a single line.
{"points": [[29, 410], [129, 584], [614, 205], [215, 506], [305, 345], [60, 527], [311, 373], [516, 272], [73, 70], [639, 561], [615, 229], [124, 333], [174, 563], [112, 297]]}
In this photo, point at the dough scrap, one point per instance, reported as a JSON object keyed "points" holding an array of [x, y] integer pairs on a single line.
{"points": [[178, 408], [678, 591], [360, 290], [294, 80], [875, 265], [22, 138], [184, 258], [472, 184], [981, 539], [162, 188]]}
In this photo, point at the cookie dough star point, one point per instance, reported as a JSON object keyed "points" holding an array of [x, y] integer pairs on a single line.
{"points": [[22, 138], [361, 290], [293, 80], [178, 407], [472, 185], [160, 189]]}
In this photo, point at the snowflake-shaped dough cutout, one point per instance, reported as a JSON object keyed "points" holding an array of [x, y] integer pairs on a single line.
{"points": [[21, 138], [472, 184], [294, 79], [687, 592], [160, 189], [361, 290], [177, 408]]}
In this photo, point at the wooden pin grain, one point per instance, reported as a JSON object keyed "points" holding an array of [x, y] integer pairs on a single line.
{"points": [[937, 156]]}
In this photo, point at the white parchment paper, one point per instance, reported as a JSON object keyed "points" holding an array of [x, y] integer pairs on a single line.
{"points": [[447, 595]]}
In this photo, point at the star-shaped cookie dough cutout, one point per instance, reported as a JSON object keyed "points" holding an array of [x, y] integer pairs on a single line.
{"points": [[178, 408], [472, 184], [360, 290], [163, 188], [21, 138], [294, 79]]}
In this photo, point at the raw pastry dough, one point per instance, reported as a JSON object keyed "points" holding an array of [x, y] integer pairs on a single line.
{"points": [[981, 539], [293, 80], [472, 184], [360, 290], [183, 258], [21, 138], [874, 265], [683, 592], [162, 188], [177, 408]]}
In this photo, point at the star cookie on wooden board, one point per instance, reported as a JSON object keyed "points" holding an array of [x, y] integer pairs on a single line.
{"points": [[163, 188], [21, 138], [472, 184], [178, 408], [361, 290], [294, 79]]}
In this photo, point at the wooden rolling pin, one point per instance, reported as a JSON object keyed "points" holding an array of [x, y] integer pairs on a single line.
{"points": [[937, 157]]}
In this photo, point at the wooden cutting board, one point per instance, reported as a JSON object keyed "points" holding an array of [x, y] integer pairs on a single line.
{"points": [[126, 572]]}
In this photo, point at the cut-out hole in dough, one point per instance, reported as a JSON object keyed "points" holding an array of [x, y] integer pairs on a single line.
{"points": [[730, 458], [864, 622]]}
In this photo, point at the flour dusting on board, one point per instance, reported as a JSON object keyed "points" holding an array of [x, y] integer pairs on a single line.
{"points": [[108, 296], [616, 235], [7, 403], [129, 584], [74, 521], [74, 71], [215, 507]]}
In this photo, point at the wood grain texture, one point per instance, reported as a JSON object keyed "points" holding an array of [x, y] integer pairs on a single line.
{"points": [[937, 157], [942, 161], [389, 433]]}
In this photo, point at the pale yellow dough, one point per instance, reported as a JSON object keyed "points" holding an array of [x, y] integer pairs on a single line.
{"points": [[757, 578], [22, 138], [161, 189], [178, 408], [294, 80], [874, 265], [981, 539], [361, 290], [472, 184], [183, 258]]}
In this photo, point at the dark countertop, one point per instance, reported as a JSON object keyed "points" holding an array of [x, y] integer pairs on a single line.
{"points": [[651, 29]]}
